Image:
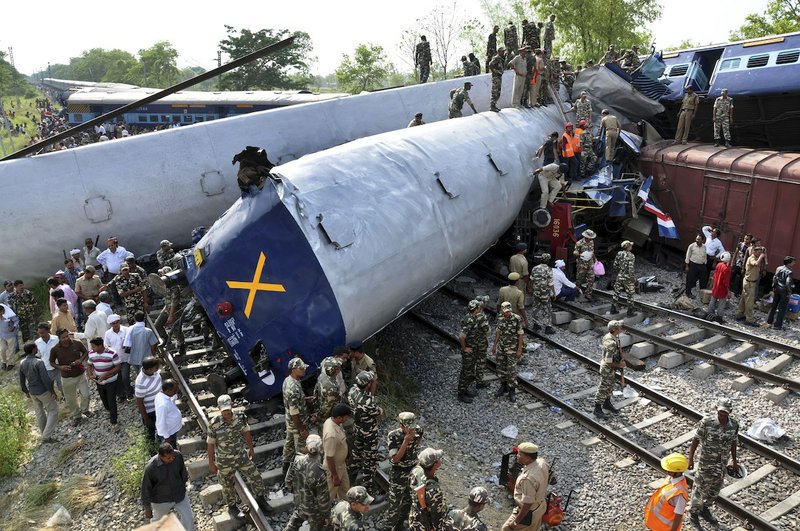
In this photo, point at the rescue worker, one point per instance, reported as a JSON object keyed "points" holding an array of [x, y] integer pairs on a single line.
{"points": [[570, 146], [518, 263], [717, 436], [467, 519], [610, 361], [491, 46], [530, 64], [366, 414], [583, 109], [630, 60], [428, 505], [537, 78], [497, 66], [530, 490], [752, 275], [173, 303], [782, 289], [306, 480], [626, 279], [297, 415], [611, 125], [403, 445], [686, 115], [519, 64], [551, 181], [334, 444], [327, 392], [416, 121], [723, 118], [226, 456], [510, 39], [588, 156], [610, 56], [348, 514], [543, 293], [360, 361], [423, 59], [457, 100], [585, 263], [474, 332], [508, 338], [549, 35], [514, 295], [665, 509]]}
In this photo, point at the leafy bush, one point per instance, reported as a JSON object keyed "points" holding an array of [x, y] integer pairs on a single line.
{"points": [[14, 432], [129, 466]]}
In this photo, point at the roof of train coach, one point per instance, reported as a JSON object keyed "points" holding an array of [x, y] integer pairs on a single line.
{"points": [[75, 84], [256, 97]]}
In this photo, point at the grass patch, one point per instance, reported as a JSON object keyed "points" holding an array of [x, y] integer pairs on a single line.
{"points": [[14, 432], [129, 467], [39, 494], [79, 493], [66, 453], [397, 392]]}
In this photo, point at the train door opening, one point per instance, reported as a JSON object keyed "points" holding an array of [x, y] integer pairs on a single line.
{"points": [[725, 205], [702, 69]]}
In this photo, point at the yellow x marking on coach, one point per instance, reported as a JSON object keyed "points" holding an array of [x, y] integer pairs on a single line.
{"points": [[255, 286]]}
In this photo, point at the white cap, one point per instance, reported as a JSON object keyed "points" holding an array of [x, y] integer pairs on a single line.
{"points": [[75, 251], [113, 318], [560, 263]]}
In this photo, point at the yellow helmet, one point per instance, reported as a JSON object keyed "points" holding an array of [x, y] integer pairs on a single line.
{"points": [[675, 462]]}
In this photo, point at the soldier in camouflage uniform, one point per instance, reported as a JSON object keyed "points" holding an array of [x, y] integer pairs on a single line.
{"points": [[536, 29], [583, 109], [549, 35], [527, 32], [467, 519], [403, 445], [348, 515], [457, 100], [327, 391], [173, 303], [306, 480], [24, 305], [482, 341], [723, 117], [631, 60], [132, 289], [610, 361], [585, 263], [491, 46], [165, 254], [510, 38], [717, 435], [428, 505], [626, 281], [543, 293], [366, 414], [497, 66], [530, 64], [588, 156], [474, 340], [508, 338], [226, 455], [296, 412], [422, 59]]}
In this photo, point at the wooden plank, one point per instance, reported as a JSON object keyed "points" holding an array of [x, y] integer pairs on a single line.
{"points": [[630, 429], [750, 480]]}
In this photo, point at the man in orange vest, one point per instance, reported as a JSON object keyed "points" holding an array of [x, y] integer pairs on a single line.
{"points": [[568, 153], [664, 511]]}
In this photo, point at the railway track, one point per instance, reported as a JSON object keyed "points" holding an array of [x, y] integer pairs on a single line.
{"points": [[633, 438], [191, 370]]}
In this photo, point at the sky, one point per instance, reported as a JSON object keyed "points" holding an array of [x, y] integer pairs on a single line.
{"points": [[335, 27]]}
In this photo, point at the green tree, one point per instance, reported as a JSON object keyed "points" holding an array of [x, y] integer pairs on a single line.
{"points": [[781, 16], [271, 72], [156, 66], [367, 69], [443, 27]]}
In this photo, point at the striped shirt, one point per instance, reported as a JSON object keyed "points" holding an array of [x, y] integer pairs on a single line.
{"points": [[148, 387], [103, 362]]}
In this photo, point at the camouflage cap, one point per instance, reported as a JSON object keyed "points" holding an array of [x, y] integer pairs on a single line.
{"points": [[429, 456], [224, 402], [407, 418], [478, 495], [364, 377], [359, 495], [724, 405], [613, 325], [473, 304], [483, 299], [506, 306], [513, 276], [297, 363], [314, 443], [331, 365], [166, 242], [626, 243], [545, 257]]}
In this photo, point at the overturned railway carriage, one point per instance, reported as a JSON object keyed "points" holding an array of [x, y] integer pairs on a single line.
{"points": [[340, 243], [739, 190]]}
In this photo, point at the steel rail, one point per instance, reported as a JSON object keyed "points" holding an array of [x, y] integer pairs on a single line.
{"points": [[609, 434], [727, 330], [759, 374]]}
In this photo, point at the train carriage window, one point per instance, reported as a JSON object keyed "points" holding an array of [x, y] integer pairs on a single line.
{"points": [[788, 57], [142, 118], [730, 64], [153, 118], [187, 118], [198, 119], [756, 61], [678, 70]]}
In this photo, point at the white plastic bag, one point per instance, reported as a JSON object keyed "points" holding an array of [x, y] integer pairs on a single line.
{"points": [[766, 430], [510, 431]]}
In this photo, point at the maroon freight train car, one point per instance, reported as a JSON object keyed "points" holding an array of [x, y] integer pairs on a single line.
{"points": [[739, 190]]}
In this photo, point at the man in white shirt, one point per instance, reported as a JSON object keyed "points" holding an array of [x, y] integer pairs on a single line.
{"points": [[45, 342], [169, 419], [105, 303], [565, 289], [96, 323], [714, 248], [113, 257]]}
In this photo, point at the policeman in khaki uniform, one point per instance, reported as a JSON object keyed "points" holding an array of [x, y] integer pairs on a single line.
{"points": [[519, 264], [717, 436], [334, 443], [610, 361], [403, 444], [529, 491], [306, 480], [348, 514], [226, 455], [467, 519], [686, 115], [514, 295]]}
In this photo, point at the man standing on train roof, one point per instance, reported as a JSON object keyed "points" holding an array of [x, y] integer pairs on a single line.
{"points": [[459, 98], [723, 118], [549, 35], [422, 59], [717, 436], [511, 293], [610, 361], [610, 123], [519, 64], [507, 349], [473, 338], [417, 120], [491, 46], [497, 66], [403, 445], [686, 115], [296, 410], [610, 56], [626, 278], [510, 38]]}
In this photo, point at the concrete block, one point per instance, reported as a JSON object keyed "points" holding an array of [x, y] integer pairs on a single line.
{"points": [[671, 359], [686, 337], [777, 394], [634, 319], [705, 295], [625, 340], [778, 364], [712, 343], [561, 317], [742, 383], [642, 350], [191, 445], [577, 326], [199, 469], [740, 353], [704, 370], [564, 425]]}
